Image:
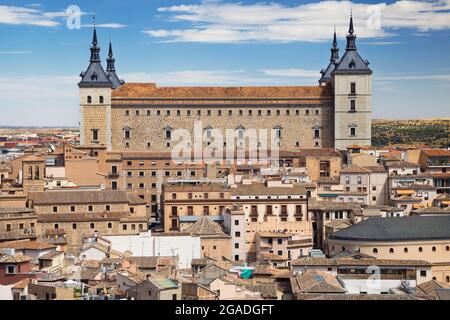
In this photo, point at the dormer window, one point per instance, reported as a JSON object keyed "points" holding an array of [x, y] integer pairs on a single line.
{"points": [[94, 76], [89, 99], [352, 64]]}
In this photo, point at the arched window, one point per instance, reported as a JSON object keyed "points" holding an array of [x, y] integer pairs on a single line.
{"points": [[420, 249], [56, 226], [74, 226], [375, 250], [92, 226], [208, 132], [240, 131], [100, 99], [433, 249], [447, 279], [109, 225], [36, 173], [89, 99], [391, 250], [447, 248], [2, 177], [30, 172], [405, 250], [277, 130], [343, 248]]}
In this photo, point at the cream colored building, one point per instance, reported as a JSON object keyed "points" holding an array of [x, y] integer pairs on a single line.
{"points": [[401, 238], [143, 116]]}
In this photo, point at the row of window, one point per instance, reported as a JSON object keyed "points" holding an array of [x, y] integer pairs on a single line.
{"points": [[21, 226], [405, 250], [249, 112], [89, 208], [109, 225], [154, 174], [101, 99], [240, 134]]}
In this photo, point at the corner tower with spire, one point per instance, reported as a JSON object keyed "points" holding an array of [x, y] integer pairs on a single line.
{"points": [[351, 80], [96, 87], [326, 73]]}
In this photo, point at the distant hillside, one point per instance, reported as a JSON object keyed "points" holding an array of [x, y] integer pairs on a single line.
{"points": [[433, 133]]}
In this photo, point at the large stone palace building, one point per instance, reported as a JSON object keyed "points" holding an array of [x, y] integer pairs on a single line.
{"points": [[141, 117]]}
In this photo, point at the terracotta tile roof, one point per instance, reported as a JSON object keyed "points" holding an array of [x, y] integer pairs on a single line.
{"points": [[402, 164], [436, 152], [27, 245], [429, 288], [69, 197], [135, 200], [351, 261], [206, 227], [14, 259], [22, 284], [15, 235], [50, 255], [312, 281], [150, 90]]}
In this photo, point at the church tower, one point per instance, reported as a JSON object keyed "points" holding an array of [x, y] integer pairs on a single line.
{"points": [[352, 84], [95, 98]]}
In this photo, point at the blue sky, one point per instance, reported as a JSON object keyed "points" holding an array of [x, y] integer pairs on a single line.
{"points": [[187, 42]]}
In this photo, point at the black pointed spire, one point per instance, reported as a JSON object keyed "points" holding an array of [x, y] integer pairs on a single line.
{"points": [[350, 28], [95, 50], [351, 37], [94, 76], [110, 61], [334, 48], [111, 69]]}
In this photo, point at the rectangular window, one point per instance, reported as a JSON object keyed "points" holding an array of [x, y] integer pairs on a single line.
{"points": [[316, 133], [206, 211], [352, 132], [353, 88], [11, 269], [190, 210], [95, 134], [55, 209], [72, 208], [352, 105], [127, 134]]}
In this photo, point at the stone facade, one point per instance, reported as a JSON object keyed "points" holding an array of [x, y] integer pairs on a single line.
{"points": [[137, 117]]}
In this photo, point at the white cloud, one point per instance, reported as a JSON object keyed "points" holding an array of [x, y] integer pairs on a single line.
{"points": [[112, 25], [297, 73], [35, 15], [28, 16], [221, 22]]}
